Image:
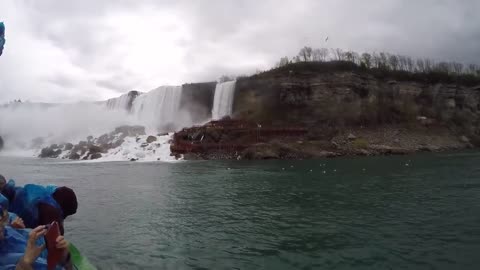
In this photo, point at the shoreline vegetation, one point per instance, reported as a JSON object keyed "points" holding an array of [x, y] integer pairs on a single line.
{"points": [[381, 65]]}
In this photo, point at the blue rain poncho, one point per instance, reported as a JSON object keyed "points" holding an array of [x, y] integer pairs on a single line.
{"points": [[12, 248], [14, 242], [25, 203], [2, 37]]}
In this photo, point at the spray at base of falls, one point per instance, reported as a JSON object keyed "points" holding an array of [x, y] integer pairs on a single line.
{"points": [[29, 127], [223, 100]]}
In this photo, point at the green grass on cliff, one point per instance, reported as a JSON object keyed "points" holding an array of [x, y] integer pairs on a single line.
{"points": [[431, 77]]}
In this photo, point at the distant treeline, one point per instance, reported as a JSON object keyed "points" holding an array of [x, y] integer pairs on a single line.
{"points": [[381, 65]]}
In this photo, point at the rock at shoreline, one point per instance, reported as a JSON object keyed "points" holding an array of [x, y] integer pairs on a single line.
{"points": [[237, 139], [261, 151], [74, 156], [95, 156], [151, 139], [50, 152], [93, 148], [68, 146]]}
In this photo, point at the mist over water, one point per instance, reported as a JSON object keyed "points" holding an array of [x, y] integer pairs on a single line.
{"points": [[22, 123], [31, 126]]}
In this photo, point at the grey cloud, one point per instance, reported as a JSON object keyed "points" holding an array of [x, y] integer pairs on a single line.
{"points": [[93, 49]]}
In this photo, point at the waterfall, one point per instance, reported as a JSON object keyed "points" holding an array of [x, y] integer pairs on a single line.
{"points": [[123, 102], [119, 103], [31, 126], [223, 100], [159, 108]]}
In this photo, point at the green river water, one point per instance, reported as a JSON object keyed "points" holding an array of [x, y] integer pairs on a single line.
{"points": [[413, 212]]}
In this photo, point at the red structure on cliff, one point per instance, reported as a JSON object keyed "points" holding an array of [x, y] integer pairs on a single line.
{"points": [[228, 135]]}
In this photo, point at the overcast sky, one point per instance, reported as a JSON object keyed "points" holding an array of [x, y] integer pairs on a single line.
{"points": [[63, 51]]}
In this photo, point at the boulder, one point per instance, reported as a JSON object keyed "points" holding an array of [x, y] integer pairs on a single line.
{"points": [[151, 139], [389, 150], [104, 139], [95, 156], [74, 156], [68, 146], [96, 149], [464, 139], [50, 152], [351, 137]]}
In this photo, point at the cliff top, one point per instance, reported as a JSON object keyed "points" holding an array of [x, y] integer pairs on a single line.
{"points": [[309, 68]]}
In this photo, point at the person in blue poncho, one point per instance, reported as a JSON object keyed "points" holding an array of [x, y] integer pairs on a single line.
{"points": [[2, 37], [25, 249], [38, 205]]}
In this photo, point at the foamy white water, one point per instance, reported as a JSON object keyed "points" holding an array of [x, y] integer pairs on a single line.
{"points": [[28, 127], [223, 100], [137, 148]]}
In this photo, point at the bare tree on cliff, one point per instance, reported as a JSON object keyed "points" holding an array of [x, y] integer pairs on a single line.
{"points": [[393, 61], [367, 60], [338, 53], [320, 55], [352, 57], [472, 69], [283, 62], [410, 64], [306, 54], [458, 68]]}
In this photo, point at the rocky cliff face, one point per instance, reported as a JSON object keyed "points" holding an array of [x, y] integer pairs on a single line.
{"points": [[197, 100], [350, 98], [349, 112]]}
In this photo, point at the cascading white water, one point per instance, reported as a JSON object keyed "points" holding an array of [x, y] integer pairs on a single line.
{"points": [[119, 103], [28, 127], [223, 100], [158, 108]]}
